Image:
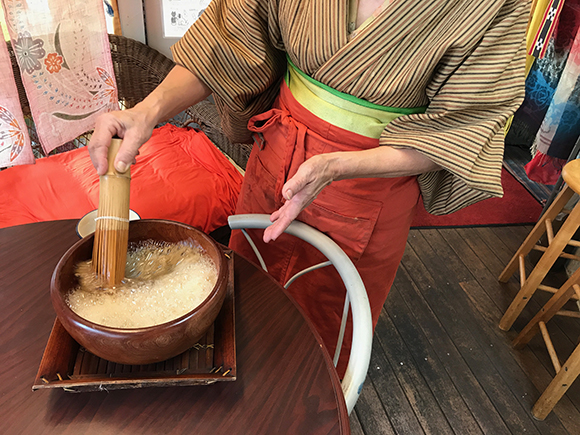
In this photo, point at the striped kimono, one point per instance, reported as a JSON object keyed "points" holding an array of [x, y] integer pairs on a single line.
{"points": [[463, 59]]}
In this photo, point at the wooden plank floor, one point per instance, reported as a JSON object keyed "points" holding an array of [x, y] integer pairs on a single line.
{"points": [[440, 364]]}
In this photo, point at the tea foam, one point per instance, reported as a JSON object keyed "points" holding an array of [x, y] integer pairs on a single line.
{"points": [[163, 282]]}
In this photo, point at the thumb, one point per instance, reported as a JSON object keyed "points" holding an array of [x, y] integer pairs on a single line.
{"points": [[293, 186], [127, 152], [287, 194]]}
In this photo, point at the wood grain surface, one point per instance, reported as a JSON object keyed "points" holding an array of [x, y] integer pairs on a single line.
{"points": [[285, 382]]}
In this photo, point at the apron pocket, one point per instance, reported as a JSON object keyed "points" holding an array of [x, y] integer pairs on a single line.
{"points": [[348, 220], [258, 189]]}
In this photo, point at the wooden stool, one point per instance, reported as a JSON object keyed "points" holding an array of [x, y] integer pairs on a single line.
{"points": [[555, 249], [568, 372]]}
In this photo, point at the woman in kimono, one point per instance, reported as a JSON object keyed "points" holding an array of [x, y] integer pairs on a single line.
{"points": [[356, 109]]}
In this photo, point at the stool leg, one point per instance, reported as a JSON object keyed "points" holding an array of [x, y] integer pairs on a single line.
{"points": [[548, 311], [537, 275], [537, 232], [558, 387]]}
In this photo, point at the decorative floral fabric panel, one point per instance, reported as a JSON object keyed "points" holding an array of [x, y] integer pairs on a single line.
{"points": [[62, 49], [14, 141]]}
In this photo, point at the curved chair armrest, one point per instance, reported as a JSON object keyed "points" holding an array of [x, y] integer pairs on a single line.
{"points": [[360, 352]]}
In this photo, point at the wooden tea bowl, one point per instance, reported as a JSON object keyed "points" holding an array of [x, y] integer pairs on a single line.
{"points": [[140, 345]]}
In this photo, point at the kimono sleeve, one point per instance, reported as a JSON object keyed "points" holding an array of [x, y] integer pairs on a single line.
{"points": [[470, 101], [235, 49]]}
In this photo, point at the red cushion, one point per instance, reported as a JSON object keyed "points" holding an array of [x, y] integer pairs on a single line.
{"points": [[180, 175]]}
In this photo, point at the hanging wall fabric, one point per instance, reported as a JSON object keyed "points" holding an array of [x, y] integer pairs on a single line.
{"points": [[560, 127], [14, 140], [62, 49], [548, 121]]}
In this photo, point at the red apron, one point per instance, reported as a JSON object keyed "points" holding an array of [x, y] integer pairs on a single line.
{"points": [[369, 218]]}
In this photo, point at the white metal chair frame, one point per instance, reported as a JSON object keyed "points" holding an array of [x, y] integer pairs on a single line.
{"points": [[356, 297]]}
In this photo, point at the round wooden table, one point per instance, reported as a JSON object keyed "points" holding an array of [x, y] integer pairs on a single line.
{"points": [[286, 383]]}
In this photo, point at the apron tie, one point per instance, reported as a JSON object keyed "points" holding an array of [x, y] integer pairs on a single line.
{"points": [[294, 153]]}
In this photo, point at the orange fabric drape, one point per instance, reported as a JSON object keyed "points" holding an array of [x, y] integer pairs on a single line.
{"points": [[369, 218]]}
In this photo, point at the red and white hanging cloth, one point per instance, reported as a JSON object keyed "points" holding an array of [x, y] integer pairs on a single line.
{"points": [[14, 141], [62, 49]]}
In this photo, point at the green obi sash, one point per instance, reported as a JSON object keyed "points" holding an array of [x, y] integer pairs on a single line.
{"points": [[340, 109]]}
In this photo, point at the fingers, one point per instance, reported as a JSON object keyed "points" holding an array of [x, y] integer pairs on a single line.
{"points": [[281, 219], [125, 125], [275, 230], [298, 192], [105, 128]]}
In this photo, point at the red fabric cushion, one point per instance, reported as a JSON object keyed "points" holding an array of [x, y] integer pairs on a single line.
{"points": [[180, 175]]}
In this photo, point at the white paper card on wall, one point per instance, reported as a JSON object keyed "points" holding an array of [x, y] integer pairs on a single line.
{"points": [[179, 15]]}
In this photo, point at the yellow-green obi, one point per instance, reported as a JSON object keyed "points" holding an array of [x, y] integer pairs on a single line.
{"points": [[340, 109]]}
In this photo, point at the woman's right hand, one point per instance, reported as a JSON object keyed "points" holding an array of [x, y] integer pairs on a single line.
{"points": [[179, 90], [131, 125]]}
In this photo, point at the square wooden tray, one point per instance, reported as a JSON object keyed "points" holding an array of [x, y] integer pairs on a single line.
{"points": [[67, 365]]}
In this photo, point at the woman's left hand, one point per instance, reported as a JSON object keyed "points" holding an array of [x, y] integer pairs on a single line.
{"points": [[312, 176], [319, 171]]}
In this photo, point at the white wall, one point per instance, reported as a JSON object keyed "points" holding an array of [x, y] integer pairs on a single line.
{"points": [[154, 24], [132, 22], [149, 28], [167, 20]]}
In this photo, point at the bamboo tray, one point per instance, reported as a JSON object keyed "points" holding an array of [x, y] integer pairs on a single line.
{"points": [[67, 365]]}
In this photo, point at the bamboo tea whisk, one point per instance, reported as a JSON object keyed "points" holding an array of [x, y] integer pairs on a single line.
{"points": [[112, 226]]}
